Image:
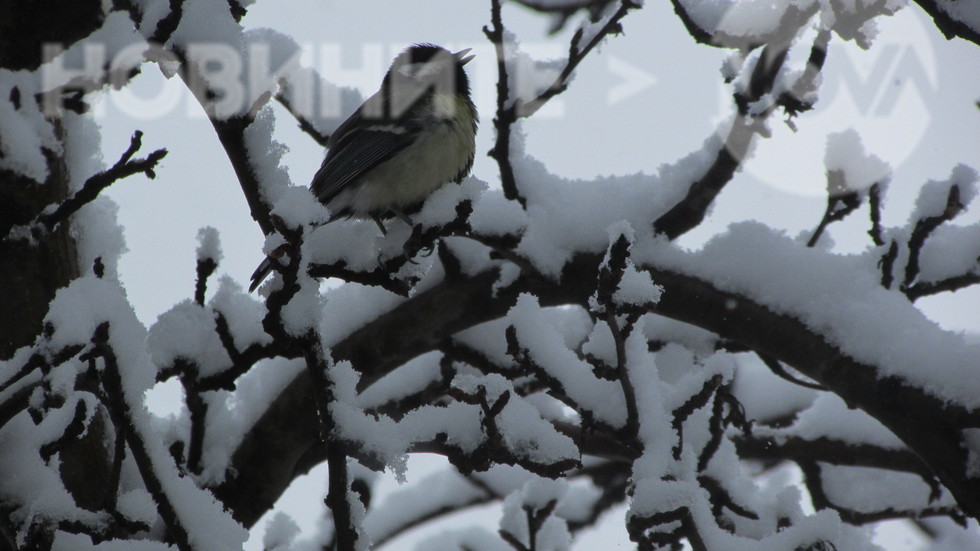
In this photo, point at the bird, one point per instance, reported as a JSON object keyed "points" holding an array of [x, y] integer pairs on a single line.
{"points": [[417, 133]]}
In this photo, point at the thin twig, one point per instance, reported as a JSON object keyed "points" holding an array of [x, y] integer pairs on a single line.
{"points": [[508, 112], [124, 167], [840, 203], [874, 206], [955, 283], [504, 119], [924, 228], [205, 268], [777, 368], [304, 124]]}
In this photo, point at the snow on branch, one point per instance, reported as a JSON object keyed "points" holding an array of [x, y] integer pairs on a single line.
{"points": [[92, 362], [765, 81], [549, 340]]}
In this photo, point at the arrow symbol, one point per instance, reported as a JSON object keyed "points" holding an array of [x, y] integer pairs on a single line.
{"points": [[634, 80]]}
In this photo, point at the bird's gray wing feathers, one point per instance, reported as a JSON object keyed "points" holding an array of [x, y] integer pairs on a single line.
{"points": [[356, 153]]}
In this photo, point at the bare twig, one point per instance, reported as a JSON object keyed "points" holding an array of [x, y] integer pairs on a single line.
{"points": [[887, 265], [47, 221], [304, 124], [205, 268], [924, 228], [777, 368], [509, 111], [955, 283], [840, 203], [949, 26], [692, 404], [874, 205], [503, 119]]}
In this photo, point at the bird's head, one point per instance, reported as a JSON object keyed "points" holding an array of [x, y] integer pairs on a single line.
{"points": [[430, 66]]}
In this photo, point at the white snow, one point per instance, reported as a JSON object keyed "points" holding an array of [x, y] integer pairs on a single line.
{"points": [[280, 533], [65, 541], [412, 377], [754, 18], [302, 313], [25, 131], [443, 490], [31, 481], [214, 43], [232, 414], [471, 538], [209, 244], [265, 156], [637, 288], [654, 432], [950, 251], [838, 297], [75, 313], [527, 435], [845, 154], [868, 490], [600, 397], [537, 493], [829, 417], [115, 43], [390, 440], [971, 440], [137, 504], [934, 194], [493, 214], [152, 12], [298, 207], [351, 306], [188, 332], [94, 227], [565, 217], [242, 312], [99, 235], [528, 77], [440, 207]]}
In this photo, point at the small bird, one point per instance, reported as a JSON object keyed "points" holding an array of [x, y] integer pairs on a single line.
{"points": [[415, 134]]}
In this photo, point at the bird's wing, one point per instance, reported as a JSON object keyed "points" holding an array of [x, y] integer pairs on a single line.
{"points": [[358, 149]]}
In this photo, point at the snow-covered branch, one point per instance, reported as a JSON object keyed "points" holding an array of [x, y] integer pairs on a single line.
{"points": [[551, 340]]}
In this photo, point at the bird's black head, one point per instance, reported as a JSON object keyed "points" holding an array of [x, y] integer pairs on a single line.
{"points": [[431, 65]]}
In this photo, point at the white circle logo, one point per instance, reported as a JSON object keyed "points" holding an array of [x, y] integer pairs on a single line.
{"points": [[881, 94]]}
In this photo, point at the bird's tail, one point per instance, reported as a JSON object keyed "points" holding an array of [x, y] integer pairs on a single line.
{"points": [[260, 274]]}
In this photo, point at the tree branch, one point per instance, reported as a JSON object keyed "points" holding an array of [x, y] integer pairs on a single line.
{"points": [[691, 210], [124, 167], [951, 28], [928, 425], [509, 111]]}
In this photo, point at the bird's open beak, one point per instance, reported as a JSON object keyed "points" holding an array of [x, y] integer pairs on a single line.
{"points": [[461, 56]]}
